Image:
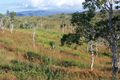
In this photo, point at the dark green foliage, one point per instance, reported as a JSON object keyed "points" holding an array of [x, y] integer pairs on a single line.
{"points": [[92, 29], [82, 19], [62, 26], [5, 67], [83, 24], [70, 38], [67, 63], [32, 55], [12, 15], [102, 28], [52, 44]]}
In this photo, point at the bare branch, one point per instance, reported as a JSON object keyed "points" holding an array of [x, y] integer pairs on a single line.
{"points": [[106, 6]]}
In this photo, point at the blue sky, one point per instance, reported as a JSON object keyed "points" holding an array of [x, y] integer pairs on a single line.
{"points": [[25, 5]]}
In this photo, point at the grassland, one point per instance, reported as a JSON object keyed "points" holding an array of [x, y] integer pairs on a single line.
{"points": [[19, 60]]}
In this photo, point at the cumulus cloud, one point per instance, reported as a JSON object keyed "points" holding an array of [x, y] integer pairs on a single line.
{"points": [[54, 3]]}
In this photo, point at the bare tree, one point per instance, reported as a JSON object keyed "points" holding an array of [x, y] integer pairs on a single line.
{"points": [[33, 36], [11, 27], [1, 25], [34, 27]]}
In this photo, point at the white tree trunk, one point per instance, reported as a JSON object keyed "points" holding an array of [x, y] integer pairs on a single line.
{"points": [[33, 37], [91, 51], [92, 55], [96, 49], [11, 28], [92, 61]]}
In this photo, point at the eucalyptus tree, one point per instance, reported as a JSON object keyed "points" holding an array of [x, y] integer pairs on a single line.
{"points": [[33, 24], [85, 28], [12, 18], [108, 7]]}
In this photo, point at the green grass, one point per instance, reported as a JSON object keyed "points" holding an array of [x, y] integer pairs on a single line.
{"points": [[75, 63], [27, 63]]}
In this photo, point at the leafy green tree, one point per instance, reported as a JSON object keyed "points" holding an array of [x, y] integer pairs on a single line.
{"points": [[106, 6], [85, 28]]}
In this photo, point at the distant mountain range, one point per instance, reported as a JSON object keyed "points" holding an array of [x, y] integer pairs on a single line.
{"points": [[43, 12]]}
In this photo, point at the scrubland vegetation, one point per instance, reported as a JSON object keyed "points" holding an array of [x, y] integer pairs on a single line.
{"points": [[57, 47], [21, 61]]}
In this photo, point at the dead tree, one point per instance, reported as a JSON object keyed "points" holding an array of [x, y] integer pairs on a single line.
{"points": [[33, 37], [1, 25], [11, 27], [33, 34]]}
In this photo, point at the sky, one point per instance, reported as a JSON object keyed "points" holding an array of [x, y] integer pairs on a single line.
{"points": [[26, 5]]}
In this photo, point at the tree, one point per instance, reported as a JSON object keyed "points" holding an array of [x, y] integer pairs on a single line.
{"points": [[106, 6], [62, 25], [1, 22], [7, 13], [12, 17], [34, 26], [85, 28]]}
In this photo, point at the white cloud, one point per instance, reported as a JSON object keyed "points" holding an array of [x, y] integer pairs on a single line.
{"points": [[54, 3], [37, 3]]}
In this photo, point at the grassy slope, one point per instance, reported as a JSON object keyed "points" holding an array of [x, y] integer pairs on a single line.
{"points": [[22, 61]]}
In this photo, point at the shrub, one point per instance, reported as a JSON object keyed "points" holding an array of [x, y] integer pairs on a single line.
{"points": [[52, 44], [70, 38]]}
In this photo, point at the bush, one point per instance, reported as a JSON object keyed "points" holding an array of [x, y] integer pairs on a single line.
{"points": [[70, 38], [52, 44], [32, 55]]}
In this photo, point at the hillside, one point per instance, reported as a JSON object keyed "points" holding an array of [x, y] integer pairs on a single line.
{"points": [[20, 61], [44, 12]]}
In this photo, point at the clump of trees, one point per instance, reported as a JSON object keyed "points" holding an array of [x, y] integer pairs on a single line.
{"points": [[107, 28]]}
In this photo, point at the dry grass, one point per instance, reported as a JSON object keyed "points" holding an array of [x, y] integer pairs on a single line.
{"points": [[14, 46]]}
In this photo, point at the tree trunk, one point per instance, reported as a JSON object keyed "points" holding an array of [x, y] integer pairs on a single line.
{"points": [[11, 28], [1, 26], [92, 56], [96, 49], [113, 43], [33, 37], [114, 60], [92, 61]]}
